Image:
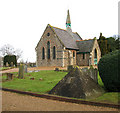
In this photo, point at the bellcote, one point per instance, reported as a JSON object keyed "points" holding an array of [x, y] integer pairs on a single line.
{"points": [[68, 22]]}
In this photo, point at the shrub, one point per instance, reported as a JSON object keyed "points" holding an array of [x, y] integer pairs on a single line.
{"points": [[10, 59], [108, 69]]}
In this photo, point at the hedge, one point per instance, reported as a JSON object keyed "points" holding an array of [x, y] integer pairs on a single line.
{"points": [[109, 66]]}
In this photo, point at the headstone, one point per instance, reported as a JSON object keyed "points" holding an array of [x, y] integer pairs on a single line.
{"points": [[21, 71], [69, 68], [56, 69], [9, 76], [77, 84], [93, 74], [25, 68], [11, 64], [7, 65], [32, 78]]}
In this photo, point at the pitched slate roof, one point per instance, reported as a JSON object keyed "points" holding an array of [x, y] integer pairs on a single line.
{"points": [[85, 45], [68, 40]]}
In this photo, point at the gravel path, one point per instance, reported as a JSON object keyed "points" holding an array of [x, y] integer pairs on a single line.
{"points": [[37, 68], [19, 102], [31, 69]]}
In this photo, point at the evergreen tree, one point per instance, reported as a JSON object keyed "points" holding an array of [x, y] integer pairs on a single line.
{"points": [[102, 41]]}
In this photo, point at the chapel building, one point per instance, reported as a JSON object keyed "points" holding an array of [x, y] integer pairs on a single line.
{"points": [[59, 47]]}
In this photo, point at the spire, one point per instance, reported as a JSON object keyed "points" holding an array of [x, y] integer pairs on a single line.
{"points": [[68, 22]]}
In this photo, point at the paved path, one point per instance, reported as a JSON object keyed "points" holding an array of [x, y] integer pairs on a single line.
{"points": [[31, 69], [19, 102], [37, 68]]}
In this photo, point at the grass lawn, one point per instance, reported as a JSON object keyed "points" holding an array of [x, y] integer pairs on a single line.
{"points": [[108, 97], [4, 68], [49, 80]]}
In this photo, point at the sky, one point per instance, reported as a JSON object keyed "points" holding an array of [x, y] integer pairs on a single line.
{"points": [[22, 22]]}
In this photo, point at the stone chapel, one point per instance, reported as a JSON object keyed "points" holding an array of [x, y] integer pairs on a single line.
{"points": [[59, 47]]}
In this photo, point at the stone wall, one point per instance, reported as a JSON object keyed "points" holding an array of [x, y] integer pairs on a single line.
{"points": [[63, 57], [69, 58], [87, 61], [54, 41], [96, 46], [81, 61]]}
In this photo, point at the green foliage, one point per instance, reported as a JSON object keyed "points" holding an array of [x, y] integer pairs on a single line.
{"points": [[108, 44], [108, 69], [4, 68], [10, 59], [102, 44], [111, 44], [100, 81]]}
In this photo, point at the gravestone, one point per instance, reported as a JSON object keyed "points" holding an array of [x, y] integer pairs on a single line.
{"points": [[25, 68], [10, 76], [12, 65], [21, 71], [77, 84], [7, 65], [91, 72], [69, 68], [56, 69], [32, 78]]}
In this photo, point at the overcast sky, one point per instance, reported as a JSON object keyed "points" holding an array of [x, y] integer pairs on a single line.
{"points": [[22, 22]]}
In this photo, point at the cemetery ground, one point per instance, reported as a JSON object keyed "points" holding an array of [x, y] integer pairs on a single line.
{"points": [[43, 81], [5, 68]]}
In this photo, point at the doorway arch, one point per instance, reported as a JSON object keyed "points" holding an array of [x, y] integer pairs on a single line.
{"points": [[95, 56]]}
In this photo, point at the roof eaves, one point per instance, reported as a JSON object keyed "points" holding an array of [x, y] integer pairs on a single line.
{"points": [[78, 35], [93, 44], [72, 48], [41, 36], [82, 52]]}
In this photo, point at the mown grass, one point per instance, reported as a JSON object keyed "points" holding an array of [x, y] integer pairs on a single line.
{"points": [[108, 97], [4, 68], [49, 80]]}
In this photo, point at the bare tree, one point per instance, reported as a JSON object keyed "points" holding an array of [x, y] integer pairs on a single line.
{"points": [[18, 53], [9, 50]]}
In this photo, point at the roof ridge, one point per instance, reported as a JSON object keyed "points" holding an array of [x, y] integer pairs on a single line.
{"points": [[58, 28], [84, 40], [62, 29]]}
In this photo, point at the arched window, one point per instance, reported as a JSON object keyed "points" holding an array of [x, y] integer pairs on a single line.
{"points": [[95, 53], [95, 57], [54, 52], [48, 50], [43, 53], [83, 55]]}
